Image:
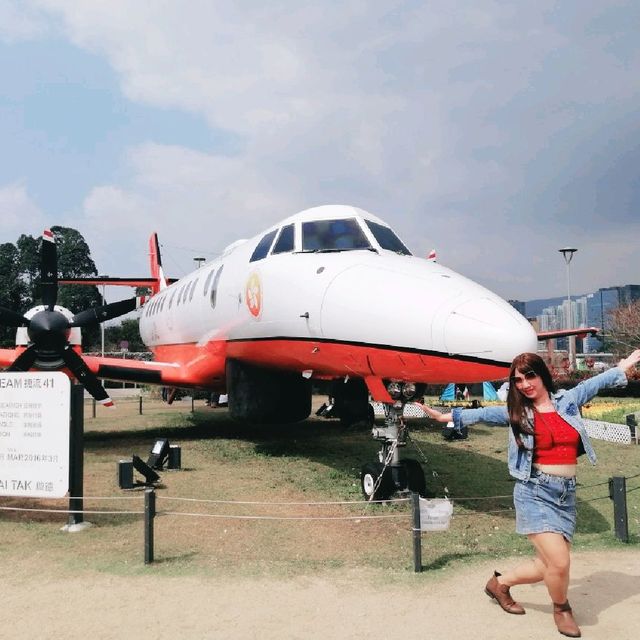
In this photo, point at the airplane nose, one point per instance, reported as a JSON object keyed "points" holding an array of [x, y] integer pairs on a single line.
{"points": [[488, 327]]}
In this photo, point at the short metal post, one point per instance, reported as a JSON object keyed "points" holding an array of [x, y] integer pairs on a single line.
{"points": [[149, 515], [94, 408], [618, 493], [140, 405], [76, 456], [192, 403], [417, 533], [632, 423]]}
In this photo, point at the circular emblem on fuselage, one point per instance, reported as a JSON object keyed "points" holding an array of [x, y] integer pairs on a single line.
{"points": [[253, 294]]}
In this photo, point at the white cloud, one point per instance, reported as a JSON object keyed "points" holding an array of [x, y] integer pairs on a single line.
{"points": [[479, 127], [18, 212], [19, 22], [196, 202]]}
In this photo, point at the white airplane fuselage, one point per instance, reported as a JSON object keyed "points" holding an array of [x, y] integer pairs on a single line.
{"points": [[334, 311]]}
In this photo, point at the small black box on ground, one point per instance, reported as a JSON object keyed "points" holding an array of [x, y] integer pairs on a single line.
{"points": [[125, 474], [175, 457]]}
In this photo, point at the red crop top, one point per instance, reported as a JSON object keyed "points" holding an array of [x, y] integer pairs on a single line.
{"points": [[556, 441]]}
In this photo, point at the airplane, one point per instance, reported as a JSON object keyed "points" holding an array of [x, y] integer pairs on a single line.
{"points": [[331, 294]]}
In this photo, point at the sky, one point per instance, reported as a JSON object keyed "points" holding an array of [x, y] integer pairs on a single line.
{"points": [[495, 132]]}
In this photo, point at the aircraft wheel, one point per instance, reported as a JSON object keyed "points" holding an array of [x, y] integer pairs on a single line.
{"points": [[369, 477], [415, 477]]}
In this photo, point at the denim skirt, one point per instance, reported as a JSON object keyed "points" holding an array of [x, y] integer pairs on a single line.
{"points": [[545, 503]]}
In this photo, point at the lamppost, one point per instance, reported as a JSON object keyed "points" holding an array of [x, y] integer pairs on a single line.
{"points": [[102, 323], [567, 254]]}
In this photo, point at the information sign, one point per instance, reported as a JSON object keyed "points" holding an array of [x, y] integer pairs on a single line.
{"points": [[34, 434]]}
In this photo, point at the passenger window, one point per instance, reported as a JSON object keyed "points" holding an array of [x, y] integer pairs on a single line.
{"points": [[262, 249], [207, 282], [193, 288], [214, 288], [284, 243]]}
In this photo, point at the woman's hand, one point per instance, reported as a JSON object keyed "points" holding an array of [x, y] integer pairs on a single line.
{"points": [[434, 414], [627, 364]]}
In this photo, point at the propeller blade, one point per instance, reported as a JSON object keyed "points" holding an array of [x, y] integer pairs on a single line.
{"points": [[83, 374], [25, 360], [105, 312], [49, 270], [10, 318]]}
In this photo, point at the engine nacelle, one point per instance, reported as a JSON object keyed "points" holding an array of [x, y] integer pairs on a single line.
{"points": [[266, 396]]}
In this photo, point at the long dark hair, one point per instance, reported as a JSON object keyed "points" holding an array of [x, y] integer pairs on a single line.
{"points": [[516, 402]]}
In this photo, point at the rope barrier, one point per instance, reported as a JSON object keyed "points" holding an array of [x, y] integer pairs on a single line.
{"points": [[138, 497], [481, 498], [241, 502], [236, 517], [594, 499], [590, 486], [466, 515], [72, 511]]}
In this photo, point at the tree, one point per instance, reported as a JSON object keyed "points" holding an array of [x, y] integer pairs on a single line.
{"points": [[74, 261], [29, 265], [127, 330], [20, 278], [625, 328], [12, 288]]}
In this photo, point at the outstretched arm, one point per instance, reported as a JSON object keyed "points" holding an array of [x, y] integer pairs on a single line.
{"points": [[434, 414], [614, 377], [628, 364]]}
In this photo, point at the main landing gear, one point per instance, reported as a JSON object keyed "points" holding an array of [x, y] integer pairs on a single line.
{"points": [[379, 480]]}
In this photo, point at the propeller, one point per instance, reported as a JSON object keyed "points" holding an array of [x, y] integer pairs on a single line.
{"points": [[49, 329]]}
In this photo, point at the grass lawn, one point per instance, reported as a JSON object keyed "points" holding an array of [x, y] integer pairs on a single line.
{"points": [[267, 469]]}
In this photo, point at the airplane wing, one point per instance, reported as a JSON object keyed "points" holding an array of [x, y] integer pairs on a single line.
{"points": [[582, 332], [207, 371]]}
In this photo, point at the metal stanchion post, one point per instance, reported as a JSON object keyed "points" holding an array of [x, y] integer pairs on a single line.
{"points": [[140, 405], [417, 533], [76, 455], [149, 515], [618, 493]]}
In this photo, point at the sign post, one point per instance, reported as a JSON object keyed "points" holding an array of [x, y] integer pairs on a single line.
{"points": [[76, 454]]}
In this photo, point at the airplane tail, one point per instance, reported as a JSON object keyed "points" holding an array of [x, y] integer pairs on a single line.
{"points": [[156, 283], [155, 263]]}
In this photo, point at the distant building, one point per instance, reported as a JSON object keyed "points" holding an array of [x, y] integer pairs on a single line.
{"points": [[589, 310]]}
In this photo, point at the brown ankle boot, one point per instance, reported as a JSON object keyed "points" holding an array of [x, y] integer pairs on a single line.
{"points": [[563, 616], [500, 593]]}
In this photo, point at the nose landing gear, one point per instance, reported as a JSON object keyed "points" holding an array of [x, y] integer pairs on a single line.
{"points": [[380, 480]]}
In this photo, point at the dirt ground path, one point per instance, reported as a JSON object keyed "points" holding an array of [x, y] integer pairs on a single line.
{"points": [[605, 594]]}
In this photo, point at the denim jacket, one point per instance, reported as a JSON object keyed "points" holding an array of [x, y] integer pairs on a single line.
{"points": [[567, 403]]}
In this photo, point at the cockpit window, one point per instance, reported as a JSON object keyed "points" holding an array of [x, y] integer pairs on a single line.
{"points": [[262, 247], [387, 239], [333, 235], [284, 243]]}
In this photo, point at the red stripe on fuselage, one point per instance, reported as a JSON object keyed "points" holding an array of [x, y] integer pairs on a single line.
{"points": [[327, 359], [336, 359]]}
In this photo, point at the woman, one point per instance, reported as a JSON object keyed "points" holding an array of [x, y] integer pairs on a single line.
{"points": [[546, 436]]}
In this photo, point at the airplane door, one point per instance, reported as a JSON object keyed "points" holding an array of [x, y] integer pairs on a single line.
{"points": [[292, 288]]}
